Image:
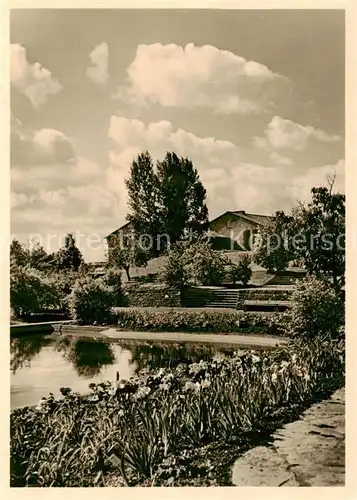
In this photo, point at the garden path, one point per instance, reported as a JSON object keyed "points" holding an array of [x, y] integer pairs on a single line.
{"points": [[246, 341], [307, 452]]}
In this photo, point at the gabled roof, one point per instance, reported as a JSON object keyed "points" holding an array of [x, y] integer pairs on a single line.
{"points": [[127, 224], [261, 220]]}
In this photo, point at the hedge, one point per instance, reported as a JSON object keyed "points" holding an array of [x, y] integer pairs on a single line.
{"points": [[199, 321]]}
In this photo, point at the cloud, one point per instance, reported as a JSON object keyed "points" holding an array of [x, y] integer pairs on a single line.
{"points": [[280, 159], [54, 190], [134, 136], [98, 71], [282, 134], [32, 80], [300, 190], [193, 76], [46, 159], [42, 147], [231, 182], [78, 195]]}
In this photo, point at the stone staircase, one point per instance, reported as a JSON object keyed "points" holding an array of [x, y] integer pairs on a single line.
{"points": [[210, 297], [271, 298]]}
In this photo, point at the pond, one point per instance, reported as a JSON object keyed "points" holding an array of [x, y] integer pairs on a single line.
{"points": [[41, 364]]}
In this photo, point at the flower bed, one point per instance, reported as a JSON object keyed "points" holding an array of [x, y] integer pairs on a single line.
{"points": [[167, 427], [200, 321]]}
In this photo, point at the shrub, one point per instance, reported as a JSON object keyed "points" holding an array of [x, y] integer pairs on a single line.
{"points": [[199, 321], [31, 291], [316, 309], [151, 295], [64, 281], [112, 279], [91, 300], [241, 272], [174, 273], [203, 265]]}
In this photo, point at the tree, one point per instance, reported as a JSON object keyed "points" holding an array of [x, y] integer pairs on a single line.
{"points": [[182, 197], [313, 233], [125, 256], [166, 200], [40, 259], [319, 230], [270, 248], [31, 291], [143, 193], [69, 256], [19, 254]]}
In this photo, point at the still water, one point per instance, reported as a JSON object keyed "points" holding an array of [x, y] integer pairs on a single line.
{"points": [[43, 364]]}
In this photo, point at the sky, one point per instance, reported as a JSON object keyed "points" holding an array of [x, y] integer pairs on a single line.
{"points": [[255, 99]]}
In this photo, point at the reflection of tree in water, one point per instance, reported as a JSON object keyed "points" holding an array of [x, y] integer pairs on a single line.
{"points": [[168, 355], [87, 357], [24, 349]]}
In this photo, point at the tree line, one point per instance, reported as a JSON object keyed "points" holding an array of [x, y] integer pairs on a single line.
{"points": [[168, 198]]}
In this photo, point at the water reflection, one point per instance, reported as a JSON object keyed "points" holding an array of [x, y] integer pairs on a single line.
{"points": [[152, 356], [24, 349], [43, 364], [87, 357]]}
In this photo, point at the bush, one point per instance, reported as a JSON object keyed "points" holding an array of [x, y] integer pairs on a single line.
{"points": [[241, 272], [316, 310], [203, 265], [199, 321], [112, 279], [64, 282], [31, 291], [174, 273], [151, 295], [91, 300]]}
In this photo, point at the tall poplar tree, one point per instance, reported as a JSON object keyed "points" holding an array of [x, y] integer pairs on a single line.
{"points": [[166, 199]]}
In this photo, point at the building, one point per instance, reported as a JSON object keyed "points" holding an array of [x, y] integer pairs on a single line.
{"points": [[125, 229], [233, 230]]}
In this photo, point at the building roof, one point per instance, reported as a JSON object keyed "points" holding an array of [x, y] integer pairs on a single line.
{"points": [[261, 220], [117, 230]]}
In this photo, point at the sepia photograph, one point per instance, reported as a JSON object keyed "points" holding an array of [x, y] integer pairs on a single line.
{"points": [[177, 249]]}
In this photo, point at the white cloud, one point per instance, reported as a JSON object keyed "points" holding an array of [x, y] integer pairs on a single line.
{"points": [[285, 134], [41, 147], [32, 80], [55, 176], [55, 191], [279, 159], [193, 76], [231, 183], [98, 71], [46, 159], [134, 136], [80, 196], [301, 187]]}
